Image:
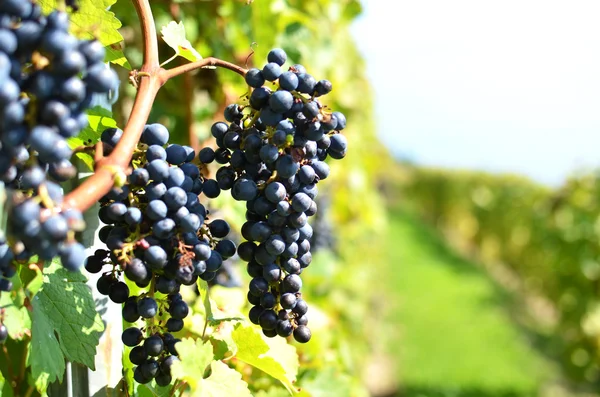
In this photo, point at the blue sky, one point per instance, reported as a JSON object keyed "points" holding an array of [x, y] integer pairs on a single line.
{"points": [[501, 86]]}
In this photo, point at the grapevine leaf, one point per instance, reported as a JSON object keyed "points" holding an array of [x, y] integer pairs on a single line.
{"points": [[330, 383], [224, 346], [203, 288], [174, 35], [13, 360], [273, 392], [194, 357], [99, 119], [273, 356], [223, 381], [46, 358], [149, 390], [31, 278], [128, 380], [116, 56], [65, 323], [93, 20], [16, 317], [6, 390]]}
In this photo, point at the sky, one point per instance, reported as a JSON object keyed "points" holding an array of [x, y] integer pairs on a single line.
{"points": [[510, 86]]}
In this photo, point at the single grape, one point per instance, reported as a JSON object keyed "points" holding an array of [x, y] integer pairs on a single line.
{"points": [[153, 345], [179, 310], [302, 334], [132, 336], [147, 307], [288, 81], [277, 55], [254, 78], [138, 355]]}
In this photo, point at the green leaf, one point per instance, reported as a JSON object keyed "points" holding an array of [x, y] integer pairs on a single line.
{"points": [[203, 289], [13, 361], [195, 357], [331, 383], [223, 343], [116, 56], [208, 304], [46, 358], [129, 382], [150, 390], [7, 391], [273, 356], [174, 35], [93, 20], [223, 381], [99, 119], [65, 323], [16, 317], [273, 392], [31, 278]]}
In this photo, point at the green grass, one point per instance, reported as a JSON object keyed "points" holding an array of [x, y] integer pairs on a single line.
{"points": [[453, 334]]}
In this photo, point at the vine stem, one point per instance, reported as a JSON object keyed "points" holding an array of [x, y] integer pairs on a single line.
{"points": [[152, 79], [11, 374], [29, 391], [210, 61]]}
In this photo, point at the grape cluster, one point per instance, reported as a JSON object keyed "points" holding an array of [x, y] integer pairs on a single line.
{"points": [[158, 236], [49, 79], [272, 155]]}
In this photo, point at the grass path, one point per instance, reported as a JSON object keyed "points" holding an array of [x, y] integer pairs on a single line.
{"points": [[453, 333]]}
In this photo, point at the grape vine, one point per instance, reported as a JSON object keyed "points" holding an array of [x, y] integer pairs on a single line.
{"points": [[154, 195]]}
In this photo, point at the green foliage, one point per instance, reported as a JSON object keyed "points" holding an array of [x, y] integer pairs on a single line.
{"points": [[99, 120], [316, 34], [16, 317], [207, 378], [174, 35], [548, 241], [274, 357], [94, 20], [65, 323]]}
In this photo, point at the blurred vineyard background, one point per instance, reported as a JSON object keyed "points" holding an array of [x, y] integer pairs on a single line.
{"points": [[427, 282]]}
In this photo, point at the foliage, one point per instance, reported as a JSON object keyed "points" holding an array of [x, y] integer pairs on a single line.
{"points": [[50, 314], [544, 242]]}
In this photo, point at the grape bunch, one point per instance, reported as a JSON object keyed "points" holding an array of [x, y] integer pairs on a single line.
{"points": [[272, 155], [49, 79], [158, 236]]}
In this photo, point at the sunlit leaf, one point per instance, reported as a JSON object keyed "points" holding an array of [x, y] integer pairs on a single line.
{"points": [[174, 35]]}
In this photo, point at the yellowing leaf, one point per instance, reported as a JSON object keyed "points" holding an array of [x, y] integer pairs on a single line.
{"points": [[195, 357], [174, 35], [274, 357], [223, 381]]}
